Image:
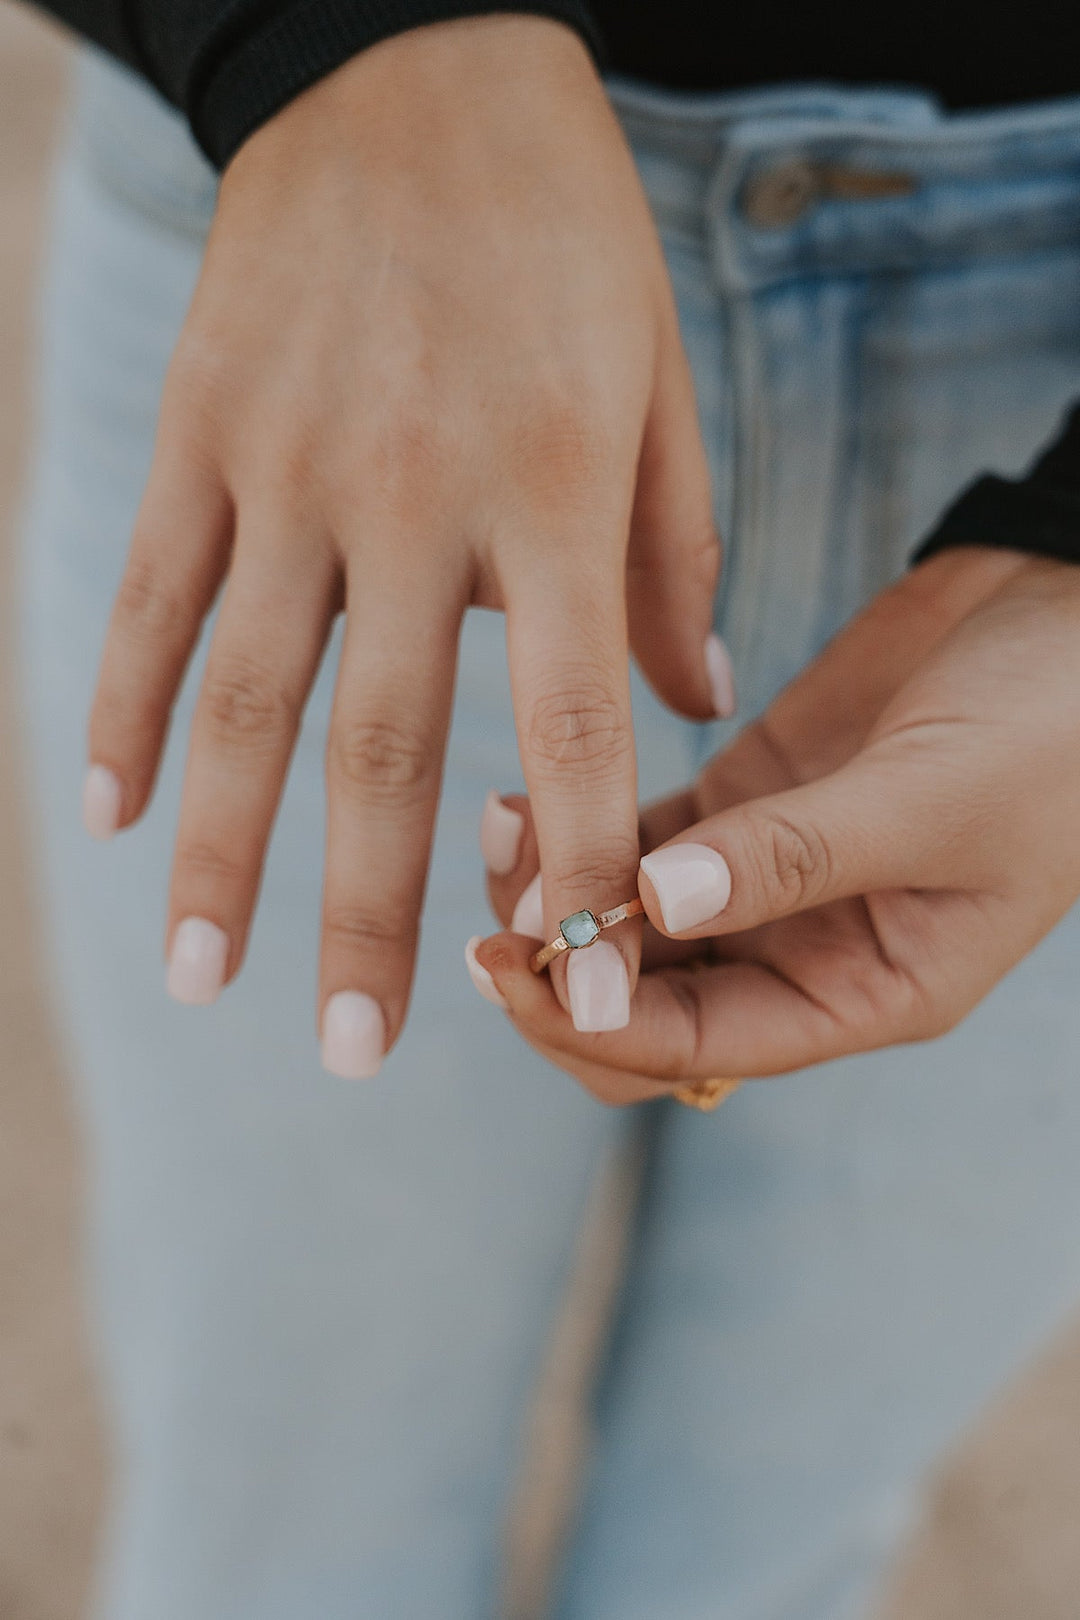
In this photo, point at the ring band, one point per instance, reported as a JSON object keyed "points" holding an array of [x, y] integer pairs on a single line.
{"points": [[705, 1095], [583, 928]]}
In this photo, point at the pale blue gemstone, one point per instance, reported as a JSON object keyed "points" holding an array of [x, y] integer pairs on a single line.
{"points": [[580, 929]]}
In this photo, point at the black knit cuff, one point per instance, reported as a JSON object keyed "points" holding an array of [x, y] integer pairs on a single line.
{"points": [[309, 39], [1039, 513]]}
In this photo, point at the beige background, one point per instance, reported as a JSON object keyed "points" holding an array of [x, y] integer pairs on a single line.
{"points": [[1003, 1537]]}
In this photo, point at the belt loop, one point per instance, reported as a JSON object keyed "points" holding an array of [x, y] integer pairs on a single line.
{"points": [[723, 215]]}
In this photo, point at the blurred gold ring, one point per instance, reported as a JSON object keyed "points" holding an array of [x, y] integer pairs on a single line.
{"points": [[581, 929], [705, 1095]]}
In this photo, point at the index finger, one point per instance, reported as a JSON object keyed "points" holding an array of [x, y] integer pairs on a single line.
{"points": [[570, 680]]}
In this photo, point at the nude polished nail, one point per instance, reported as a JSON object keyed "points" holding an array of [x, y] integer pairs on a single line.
{"points": [[528, 918], [500, 835], [353, 1036], [721, 677], [599, 988], [480, 976], [692, 883], [101, 798], [197, 962]]}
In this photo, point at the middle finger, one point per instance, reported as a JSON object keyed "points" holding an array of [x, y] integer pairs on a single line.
{"points": [[384, 764]]}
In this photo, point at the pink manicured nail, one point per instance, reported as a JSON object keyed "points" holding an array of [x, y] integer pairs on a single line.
{"points": [[599, 987], [692, 883], [500, 835], [480, 976], [528, 918], [200, 951], [353, 1036], [721, 677], [101, 802]]}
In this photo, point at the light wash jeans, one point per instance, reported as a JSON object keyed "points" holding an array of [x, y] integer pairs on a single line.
{"points": [[321, 1307]]}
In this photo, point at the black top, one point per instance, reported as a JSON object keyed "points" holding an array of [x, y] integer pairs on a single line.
{"points": [[969, 52], [229, 65], [1039, 513]]}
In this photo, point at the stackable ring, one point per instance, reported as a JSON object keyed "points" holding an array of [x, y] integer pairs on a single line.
{"points": [[581, 929]]}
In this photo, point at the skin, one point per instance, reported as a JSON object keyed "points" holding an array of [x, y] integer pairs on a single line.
{"points": [[900, 827], [433, 360]]}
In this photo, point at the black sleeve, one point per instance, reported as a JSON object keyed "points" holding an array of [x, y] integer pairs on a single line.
{"points": [[1039, 513], [229, 65]]}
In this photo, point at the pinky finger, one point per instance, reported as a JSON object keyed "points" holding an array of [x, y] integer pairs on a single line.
{"points": [[178, 557]]}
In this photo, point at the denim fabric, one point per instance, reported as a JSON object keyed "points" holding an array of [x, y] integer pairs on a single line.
{"points": [[321, 1307]]}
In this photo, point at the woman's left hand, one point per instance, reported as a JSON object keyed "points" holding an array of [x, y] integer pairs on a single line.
{"points": [[862, 864]]}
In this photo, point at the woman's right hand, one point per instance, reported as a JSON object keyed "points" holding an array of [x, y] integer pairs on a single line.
{"points": [[433, 360], [864, 862]]}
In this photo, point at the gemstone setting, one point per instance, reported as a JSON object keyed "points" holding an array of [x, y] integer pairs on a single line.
{"points": [[579, 929]]}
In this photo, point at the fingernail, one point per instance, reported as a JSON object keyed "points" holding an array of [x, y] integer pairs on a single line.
{"points": [[692, 883], [599, 988], [500, 835], [480, 976], [528, 918], [721, 676], [200, 951], [353, 1036], [101, 802]]}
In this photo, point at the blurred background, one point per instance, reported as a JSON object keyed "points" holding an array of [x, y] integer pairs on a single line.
{"points": [[1001, 1538]]}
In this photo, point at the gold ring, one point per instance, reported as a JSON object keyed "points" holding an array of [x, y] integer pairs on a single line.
{"points": [[705, 1095], [583, 928]]}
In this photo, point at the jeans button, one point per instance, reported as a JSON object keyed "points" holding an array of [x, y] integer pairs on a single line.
{"points": [[778, 196]]}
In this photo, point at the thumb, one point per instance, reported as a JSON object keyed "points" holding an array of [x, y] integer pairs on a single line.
{"points": [[888, 819], [673, 560]]}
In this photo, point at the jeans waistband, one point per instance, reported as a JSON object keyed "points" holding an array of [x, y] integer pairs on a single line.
{"points": [[791, 181], [777, 183]]}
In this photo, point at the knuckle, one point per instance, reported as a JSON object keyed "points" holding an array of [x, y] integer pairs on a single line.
{"points": [[293, 474], [684, 1056], [380, 758], [876, 999], [697, 558], [195, 404], [795, 863], [201, 364], [884, 998], [920, 1021], [702, 562], [579, 727], [411, 452], [147, 605], [366, 931], [608, 871], [926, 1015], [563, 449], [243, 703], [413, 435], [197, 858]]}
